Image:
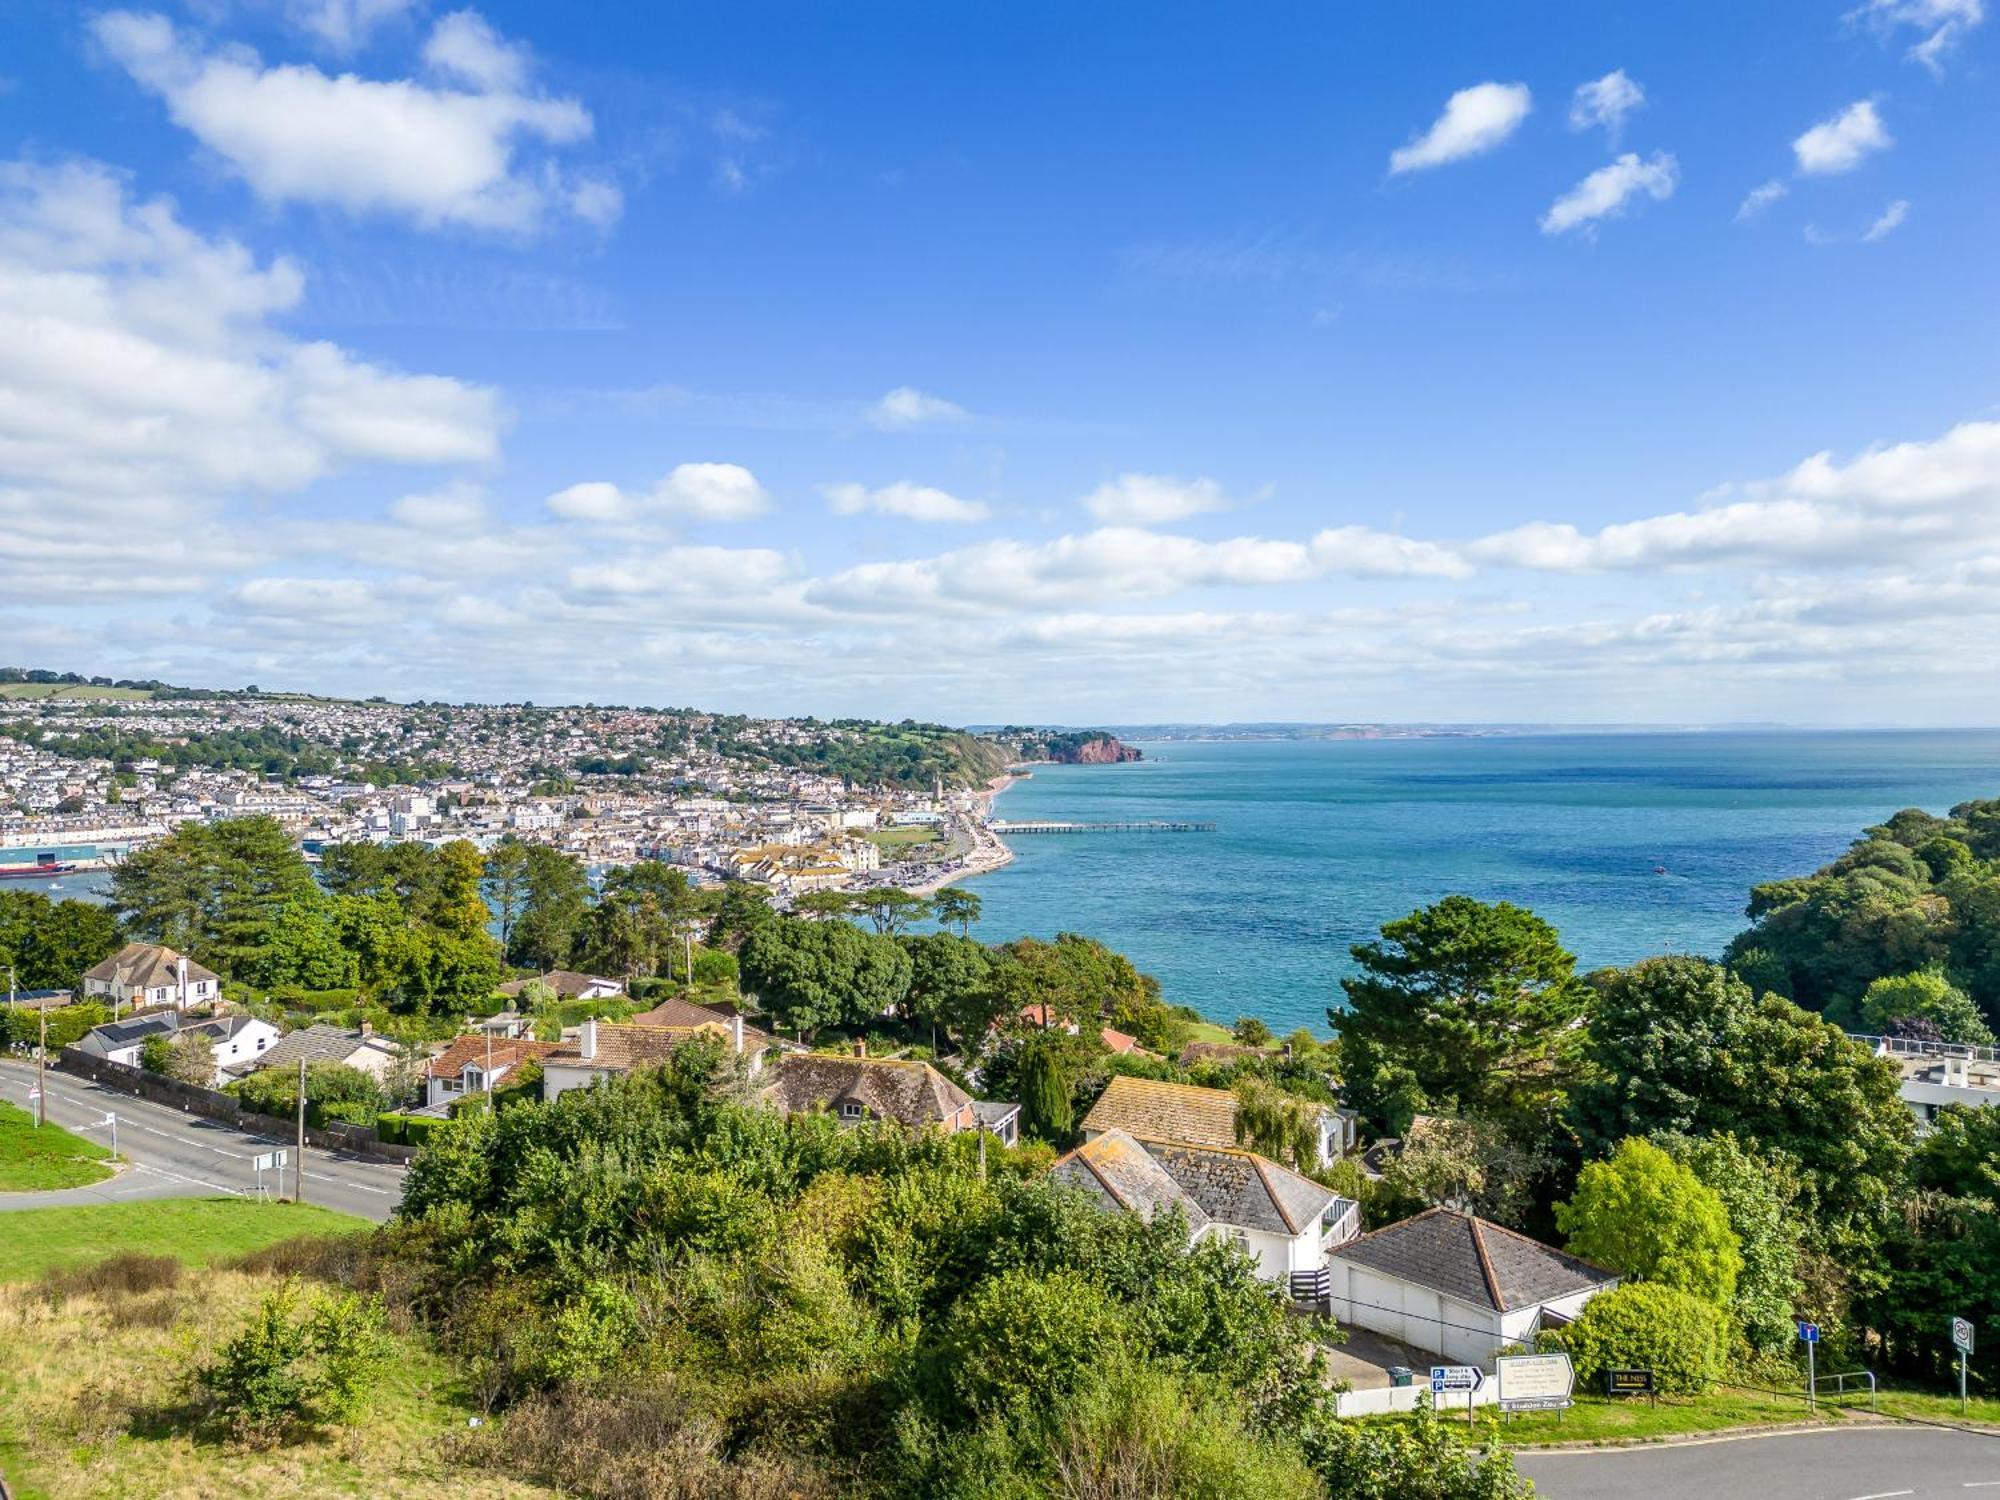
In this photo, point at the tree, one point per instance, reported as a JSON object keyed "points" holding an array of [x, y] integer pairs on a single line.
{"points": [[890, 910], [1403, 1460], [1279, 1125], [507, 884], [815, 974], [1681, 1338], [459, 909], [298, 1365], [1644, 1215], [1474, 1002], [1020, 1341], [555, 900], [824, 905], [1474, 1166], [951, 983], [1048, 1108], [216, 892], [955, 905], [48, 944], [1891, 1003], [1250, 1031], [1759, 1192], [187, 1058]]}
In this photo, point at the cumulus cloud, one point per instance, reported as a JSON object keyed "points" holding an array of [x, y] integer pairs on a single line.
{"points": [[144, 385], [458, 507], [343, 25], [457, 152], [692, 491], [1890, 220], [907, 406], [1908, 500], [684, 570], [1605, 101], [1153, 499], [1475, 121], [1842, 143], [913, 502], [1607, 192], [1941, 24], [1760, 198]]}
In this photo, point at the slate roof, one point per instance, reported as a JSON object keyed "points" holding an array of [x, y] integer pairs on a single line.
{"points": [[221, 1028], [1122, 1175], [146, 966], [888, 1088], [505, 1054], [622, 1046], [113, 1035], [1474, 1261], [1154, 1111], [1239, 1187], [319, 1042], [567, 983]]}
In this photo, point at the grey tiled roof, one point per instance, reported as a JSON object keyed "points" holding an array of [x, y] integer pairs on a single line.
{"points": [[1242, 1188], [1474, 1260], [319, 1042], [887, 1088], [1122, 1175]]}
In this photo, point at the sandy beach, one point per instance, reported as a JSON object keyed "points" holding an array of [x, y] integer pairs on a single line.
{"points": [[988, 852]]}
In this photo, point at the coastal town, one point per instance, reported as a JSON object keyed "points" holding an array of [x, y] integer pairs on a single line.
{"points": [[775, 802]]}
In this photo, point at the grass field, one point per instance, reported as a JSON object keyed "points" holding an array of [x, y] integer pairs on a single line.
{"points": [[198, 1231], [41, 690], [1602, 1419], [86, 1375], [37, 1157]]}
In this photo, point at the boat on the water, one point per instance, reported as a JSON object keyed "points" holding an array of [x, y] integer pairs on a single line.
{"points": [[40, 866]]}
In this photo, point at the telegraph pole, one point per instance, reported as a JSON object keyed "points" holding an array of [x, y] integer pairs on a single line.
{"points": [[42, 1070], [299, 1170]]}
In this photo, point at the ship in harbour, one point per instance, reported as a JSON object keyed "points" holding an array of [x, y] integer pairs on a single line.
{"points": [[23, 864]]}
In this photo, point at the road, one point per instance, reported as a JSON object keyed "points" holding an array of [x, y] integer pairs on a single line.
{"points": [[173, 1155], [1876, 1463]]}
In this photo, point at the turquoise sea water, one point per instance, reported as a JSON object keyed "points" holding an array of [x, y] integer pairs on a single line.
{"points": [[1319, 843]]}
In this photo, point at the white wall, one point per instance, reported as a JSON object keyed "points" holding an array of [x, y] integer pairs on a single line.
{"points": [[1456, 1331]]}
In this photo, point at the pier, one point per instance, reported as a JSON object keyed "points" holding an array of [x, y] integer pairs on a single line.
{"points": [[1004, 827]]}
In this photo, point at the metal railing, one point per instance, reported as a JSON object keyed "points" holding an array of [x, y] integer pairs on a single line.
{"points": [[1839, 1394], [1903, 1046]]}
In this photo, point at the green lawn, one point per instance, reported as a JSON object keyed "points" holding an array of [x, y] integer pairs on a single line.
{"points": [[199, 1231], [1932, 1408], [1603, 1419], [35, 1157]]}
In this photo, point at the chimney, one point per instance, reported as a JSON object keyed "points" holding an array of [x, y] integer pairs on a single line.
{"points": [[736, 1025], [367, 1027], [860, 1047], [587, 1041]]}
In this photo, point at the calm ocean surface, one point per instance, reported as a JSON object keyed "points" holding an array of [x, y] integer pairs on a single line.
{"points": [[1319, 843]]}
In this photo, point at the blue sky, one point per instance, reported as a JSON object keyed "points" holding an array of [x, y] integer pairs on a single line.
{"points": [[994, 362]]}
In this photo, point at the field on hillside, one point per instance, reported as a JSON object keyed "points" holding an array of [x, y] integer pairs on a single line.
{"points": [[93, 1378], [37, 691], [197, 1231], [34, 1157]]}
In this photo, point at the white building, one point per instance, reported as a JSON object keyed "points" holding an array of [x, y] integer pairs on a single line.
{"points": [[146, 974]]}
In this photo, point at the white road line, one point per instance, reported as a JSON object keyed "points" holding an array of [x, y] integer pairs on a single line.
{"points": [[191, 1181], [1885, 1495], [1982, 1484]]}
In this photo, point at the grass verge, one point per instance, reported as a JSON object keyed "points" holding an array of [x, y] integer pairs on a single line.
{"points": [[197, 1231], [84, 1374], [1601, 1419], [35, 1158]]}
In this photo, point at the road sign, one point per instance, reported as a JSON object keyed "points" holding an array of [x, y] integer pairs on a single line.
{"points": [[1809, 1333], [1628, 1382], [1534, 1382], [269, 1161], [1961, 1335], [1467, 1378]]}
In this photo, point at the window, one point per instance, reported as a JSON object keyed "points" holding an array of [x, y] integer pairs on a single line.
{"points": [[452, 1085], [851, 1111], [475, 1080], [260, 1043]]}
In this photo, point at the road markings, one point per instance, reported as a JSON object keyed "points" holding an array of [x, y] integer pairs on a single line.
{"points": [[1885, 1495], [1982, 1484]]}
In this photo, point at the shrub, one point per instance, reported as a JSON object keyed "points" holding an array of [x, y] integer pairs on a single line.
{"points": [[128, 1275], [1021, 1339], [275, 1091], [1396, 1460], [298, 1365], [349, 1111], [1681, 1338], [1643, 1214]]}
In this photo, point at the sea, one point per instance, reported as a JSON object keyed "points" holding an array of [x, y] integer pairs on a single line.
{"points": [[1630, 844]]}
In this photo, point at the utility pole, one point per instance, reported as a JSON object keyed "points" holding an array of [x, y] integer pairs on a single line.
{"points": [[299, 1169], [42, 1070]]}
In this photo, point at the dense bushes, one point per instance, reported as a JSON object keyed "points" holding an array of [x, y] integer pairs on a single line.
{"points": [[300, 1363], [1681, 1338]]}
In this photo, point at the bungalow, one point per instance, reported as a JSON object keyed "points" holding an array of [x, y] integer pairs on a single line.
{"points": [[885, 1088], [322, 1042], [121, 1041], [1458, 1285], [143, 974], [475, 1063], [604, 1048], [1149, 1110], [569, 985], [1284, 1221], [235, 1040], [1114, 1040]]}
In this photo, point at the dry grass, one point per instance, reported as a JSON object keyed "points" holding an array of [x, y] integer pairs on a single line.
{"points": [[86, 1363]]}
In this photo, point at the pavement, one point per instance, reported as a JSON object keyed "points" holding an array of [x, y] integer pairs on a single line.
{"points": [[1902, 1462], [173, 1155]]}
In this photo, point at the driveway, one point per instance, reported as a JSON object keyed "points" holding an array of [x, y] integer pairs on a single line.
{"points": [[172, 1155], [1363, 1361]]}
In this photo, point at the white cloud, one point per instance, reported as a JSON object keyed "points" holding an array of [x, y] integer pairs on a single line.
{"points": [[1912, 499], [913, 502], [458, 507], [343, 25], [1359, 552], [1888, 223], [1841, 143], [694, 492], [1606, 192], [1605, 101], [1760, 198], [436, 155], [684, 570], [1944, 24], [143, 386], [1153, 499], [1475, 120], [907, 406]]}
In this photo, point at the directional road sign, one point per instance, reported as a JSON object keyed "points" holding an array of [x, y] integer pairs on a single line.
{"points": [[1466, 1378], [1809, 1333]]}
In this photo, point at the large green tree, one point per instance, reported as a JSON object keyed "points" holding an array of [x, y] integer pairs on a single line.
{"points": [[47, 945], [556, 900], [1468, 1002], [219, 892], [1645, 1215], [815, 974], [1759, 1191]]}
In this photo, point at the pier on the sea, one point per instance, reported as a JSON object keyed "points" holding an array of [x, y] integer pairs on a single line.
{"points": [[1043, 825]]}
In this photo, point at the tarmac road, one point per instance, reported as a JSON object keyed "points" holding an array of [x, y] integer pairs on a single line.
{"points": [[1869, 1463], [172, 1155]]}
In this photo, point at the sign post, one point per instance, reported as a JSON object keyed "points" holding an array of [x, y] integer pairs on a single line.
{"points": [[1467, 1378], [1535, 1382], [1809, 1336], [1961, 1340]]}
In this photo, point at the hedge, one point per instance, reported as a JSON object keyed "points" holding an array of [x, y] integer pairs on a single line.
{"points": [[1682, 1339], [407, 1130]]}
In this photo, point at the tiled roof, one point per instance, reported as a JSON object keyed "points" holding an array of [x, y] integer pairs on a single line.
{"points": [[675, 1011], [888, 1088], [146, 966], [1242, 1188], [1474, 1260], [621, 1046], [1122, 1175], [503, 1053], [567, 983], [319, 1042], [1154, 1111]]}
